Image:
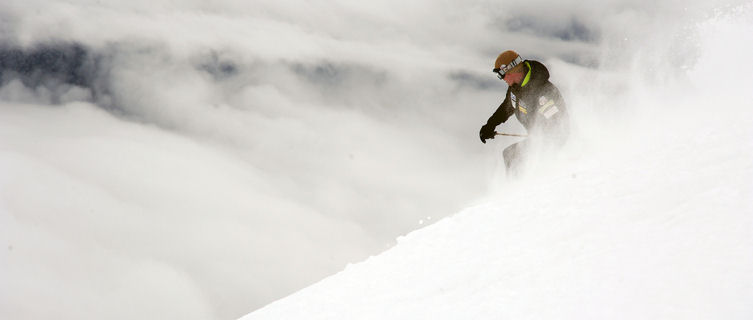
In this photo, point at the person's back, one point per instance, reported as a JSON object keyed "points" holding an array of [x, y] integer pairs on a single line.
{"points": [[536, 103]]}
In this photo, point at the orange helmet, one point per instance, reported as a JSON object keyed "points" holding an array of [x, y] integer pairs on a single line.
{"points": [[505, 62]]}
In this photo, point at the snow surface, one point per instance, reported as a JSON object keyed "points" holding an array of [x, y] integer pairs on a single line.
{"points": [[651, 222], [664, 236]]}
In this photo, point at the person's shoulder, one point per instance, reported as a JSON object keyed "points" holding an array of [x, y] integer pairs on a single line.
{"points": [[539, 70]]}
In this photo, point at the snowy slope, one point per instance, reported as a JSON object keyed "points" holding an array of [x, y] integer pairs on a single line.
{"points": [[653, 222], [666, 236]]}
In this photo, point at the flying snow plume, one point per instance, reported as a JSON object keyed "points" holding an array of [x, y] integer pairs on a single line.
{"points": [[201, 160]]}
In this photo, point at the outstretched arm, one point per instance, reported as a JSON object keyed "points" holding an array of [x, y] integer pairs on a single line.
{"points": [[503, 112]]}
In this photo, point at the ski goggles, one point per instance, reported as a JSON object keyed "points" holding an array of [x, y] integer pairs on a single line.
{"points": [[503, 69]]}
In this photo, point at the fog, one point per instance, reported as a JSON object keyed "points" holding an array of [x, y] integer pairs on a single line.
{"points": [[200, 160]]}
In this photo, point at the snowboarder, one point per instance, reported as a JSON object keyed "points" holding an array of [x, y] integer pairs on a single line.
{"points": [[536, 103]]}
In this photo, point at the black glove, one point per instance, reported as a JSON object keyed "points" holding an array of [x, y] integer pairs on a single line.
{"points": [[487, 132]]}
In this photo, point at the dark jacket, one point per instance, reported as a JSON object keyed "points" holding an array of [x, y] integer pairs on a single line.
{"points": [[536, 103]]}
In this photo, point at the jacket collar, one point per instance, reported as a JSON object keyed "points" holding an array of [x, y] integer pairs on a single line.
{"points": [[528, 75]]}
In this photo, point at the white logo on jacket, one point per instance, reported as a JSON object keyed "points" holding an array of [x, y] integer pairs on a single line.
{"points": [[547, 107]]}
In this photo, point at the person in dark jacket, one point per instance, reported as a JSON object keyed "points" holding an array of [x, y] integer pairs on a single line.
{"points": [[536, 103]]}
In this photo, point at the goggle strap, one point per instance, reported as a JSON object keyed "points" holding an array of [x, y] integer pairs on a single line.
{"points": [[505, 68]]}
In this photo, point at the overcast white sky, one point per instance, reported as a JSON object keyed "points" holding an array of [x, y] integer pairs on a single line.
{"points": [[206, 158]]}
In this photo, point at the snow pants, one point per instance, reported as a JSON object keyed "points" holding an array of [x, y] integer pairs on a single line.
{"points": [[514, 156], [518, 154]]}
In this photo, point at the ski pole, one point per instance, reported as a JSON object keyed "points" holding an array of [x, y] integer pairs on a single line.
{"points": [[509, 134]]}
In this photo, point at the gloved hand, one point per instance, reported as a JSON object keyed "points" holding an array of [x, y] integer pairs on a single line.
{"points": [[487, 132]]}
